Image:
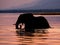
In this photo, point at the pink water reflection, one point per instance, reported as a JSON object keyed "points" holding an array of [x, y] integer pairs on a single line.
{"points": [[8, 35]]}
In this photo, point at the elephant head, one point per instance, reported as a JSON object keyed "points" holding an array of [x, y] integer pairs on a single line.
{"points": [[24, 18]]}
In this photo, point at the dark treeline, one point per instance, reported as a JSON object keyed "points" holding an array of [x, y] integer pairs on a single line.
{"points": [[22, 11]]}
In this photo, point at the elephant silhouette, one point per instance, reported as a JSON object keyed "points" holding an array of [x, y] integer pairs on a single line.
{"points": [[32, 22]]}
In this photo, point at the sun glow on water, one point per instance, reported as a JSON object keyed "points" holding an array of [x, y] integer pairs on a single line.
{"points": [[9, 35]]}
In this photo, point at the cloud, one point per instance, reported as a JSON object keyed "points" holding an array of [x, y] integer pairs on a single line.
{"points": [[29, 4], [46, 4], [7, 4]]}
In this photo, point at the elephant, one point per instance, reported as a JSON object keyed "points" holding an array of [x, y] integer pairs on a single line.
{"points": [[32, 22]]}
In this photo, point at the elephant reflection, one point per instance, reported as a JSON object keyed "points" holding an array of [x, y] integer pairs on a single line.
{"points": [[32, 22]]}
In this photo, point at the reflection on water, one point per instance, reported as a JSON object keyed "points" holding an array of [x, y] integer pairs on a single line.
{"points": [[10, 36], [34, 40], [21, 32]]}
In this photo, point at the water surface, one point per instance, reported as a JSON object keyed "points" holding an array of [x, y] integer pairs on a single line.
{"points": [[9, 36]]}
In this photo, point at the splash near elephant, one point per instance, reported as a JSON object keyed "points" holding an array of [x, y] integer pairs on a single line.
{"points": [[32, 22]]}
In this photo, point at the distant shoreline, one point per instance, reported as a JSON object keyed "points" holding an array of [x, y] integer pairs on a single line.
{"points": [[38, 13], [47, 13], [35, 12]]}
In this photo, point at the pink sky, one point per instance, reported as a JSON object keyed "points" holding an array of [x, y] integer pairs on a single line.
{"points": [[29, 4], [6, 4]]}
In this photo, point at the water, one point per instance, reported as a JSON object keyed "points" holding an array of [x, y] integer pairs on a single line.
{"points": [[9, 35]]}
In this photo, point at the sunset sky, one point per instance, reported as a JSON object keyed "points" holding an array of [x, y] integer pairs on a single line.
{"points": [[29, 4]]}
